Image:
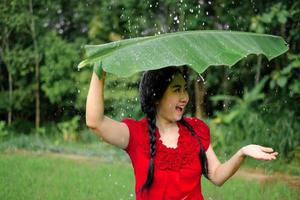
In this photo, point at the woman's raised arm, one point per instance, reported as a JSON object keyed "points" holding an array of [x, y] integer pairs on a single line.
{"points": [[111, 131]]}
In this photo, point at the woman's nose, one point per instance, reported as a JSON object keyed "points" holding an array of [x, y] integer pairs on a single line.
{"points": [[184, 96]]}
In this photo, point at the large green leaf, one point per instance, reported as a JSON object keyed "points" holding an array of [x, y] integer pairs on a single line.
{"points": [[198, 49]]}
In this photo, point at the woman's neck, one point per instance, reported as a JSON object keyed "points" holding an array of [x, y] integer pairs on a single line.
{"points": [[165, 125]]}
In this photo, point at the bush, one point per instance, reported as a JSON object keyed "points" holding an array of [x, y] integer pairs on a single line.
{"points": [[3, 131]]}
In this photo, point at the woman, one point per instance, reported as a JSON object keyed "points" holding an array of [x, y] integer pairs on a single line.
{"points": [[169, 152]]}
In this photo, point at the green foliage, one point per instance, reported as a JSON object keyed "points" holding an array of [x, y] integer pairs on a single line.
{"points": [[57, 73], [277, 15], [3, 131], [69, 129], [242, 106], [287, 76], [121, 97], [198, 49]]}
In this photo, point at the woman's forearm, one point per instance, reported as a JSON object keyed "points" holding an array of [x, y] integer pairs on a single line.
{"points": [[95, 101], [224, 171]]}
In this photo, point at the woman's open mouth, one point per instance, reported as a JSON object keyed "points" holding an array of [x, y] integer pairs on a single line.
{"points": [[179, 109]]}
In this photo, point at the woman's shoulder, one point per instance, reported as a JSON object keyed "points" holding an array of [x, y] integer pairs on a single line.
{"points": [[134, 122], [201, 129], [196, 122]]}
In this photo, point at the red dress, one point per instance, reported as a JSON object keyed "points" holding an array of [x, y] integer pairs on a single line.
{"points": [[177, 171]]}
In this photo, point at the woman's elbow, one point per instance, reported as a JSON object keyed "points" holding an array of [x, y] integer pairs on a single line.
{"points": [[91, 122], [217, 182]]}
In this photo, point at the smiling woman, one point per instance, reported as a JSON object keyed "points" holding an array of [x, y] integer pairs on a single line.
{"points": [[169, 152]]}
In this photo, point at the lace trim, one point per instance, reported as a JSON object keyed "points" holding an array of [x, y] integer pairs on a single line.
{"points": [[168, 158]]}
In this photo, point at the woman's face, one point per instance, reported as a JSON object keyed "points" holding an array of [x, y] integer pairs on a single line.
{"points": [[172, 105]]}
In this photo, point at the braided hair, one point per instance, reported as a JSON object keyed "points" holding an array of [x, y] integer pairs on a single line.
{"points": [[152, 87]]}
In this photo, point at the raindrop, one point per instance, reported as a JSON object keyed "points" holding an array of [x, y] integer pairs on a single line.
{"points": [[228, 78], [209, 2], [200, 78], [175, 18], [150, 5], [191, 10], [78, 91], [206, 13]]}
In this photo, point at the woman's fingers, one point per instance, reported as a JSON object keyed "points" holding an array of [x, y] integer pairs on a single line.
{"points": [[266, 149]]}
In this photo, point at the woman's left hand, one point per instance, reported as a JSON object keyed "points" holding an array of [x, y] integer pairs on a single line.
{"points": [[259, 152]]}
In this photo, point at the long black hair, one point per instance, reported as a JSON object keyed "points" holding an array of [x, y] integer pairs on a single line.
{"points": [[153, 85]]}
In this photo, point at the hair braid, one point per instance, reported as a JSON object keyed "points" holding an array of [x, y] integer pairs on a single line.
{"points": [[202, 154], [152, 136]]}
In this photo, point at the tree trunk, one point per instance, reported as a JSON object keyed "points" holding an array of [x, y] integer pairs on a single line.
{"points": [[37, 70], [199, 98], [258, 69], [5, 45], [10, 84]]}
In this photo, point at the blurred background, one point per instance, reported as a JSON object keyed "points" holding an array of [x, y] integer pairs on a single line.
{"points": [[43, 137]]}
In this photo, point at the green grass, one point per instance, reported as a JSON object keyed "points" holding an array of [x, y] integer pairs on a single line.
{"points": [[44, 176], [236, 188], [33, 176]]}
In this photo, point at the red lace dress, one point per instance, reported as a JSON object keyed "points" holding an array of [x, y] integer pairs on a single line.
{"points": [[177, 171]]}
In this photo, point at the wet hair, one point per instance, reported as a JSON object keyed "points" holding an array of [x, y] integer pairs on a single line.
{"points": [[153, 85]]}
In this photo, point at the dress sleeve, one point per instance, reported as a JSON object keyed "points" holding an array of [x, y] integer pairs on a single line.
{"points": [[202, 130], [133, 132]]}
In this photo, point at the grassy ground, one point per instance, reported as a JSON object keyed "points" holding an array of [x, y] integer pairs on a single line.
{"points": [[40, 175]]}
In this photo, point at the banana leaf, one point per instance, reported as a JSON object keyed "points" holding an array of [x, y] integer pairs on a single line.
{"points": [[197, 49]]}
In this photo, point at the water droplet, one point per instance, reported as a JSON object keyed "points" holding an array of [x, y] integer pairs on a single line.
{"points": [[209, 2]]}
